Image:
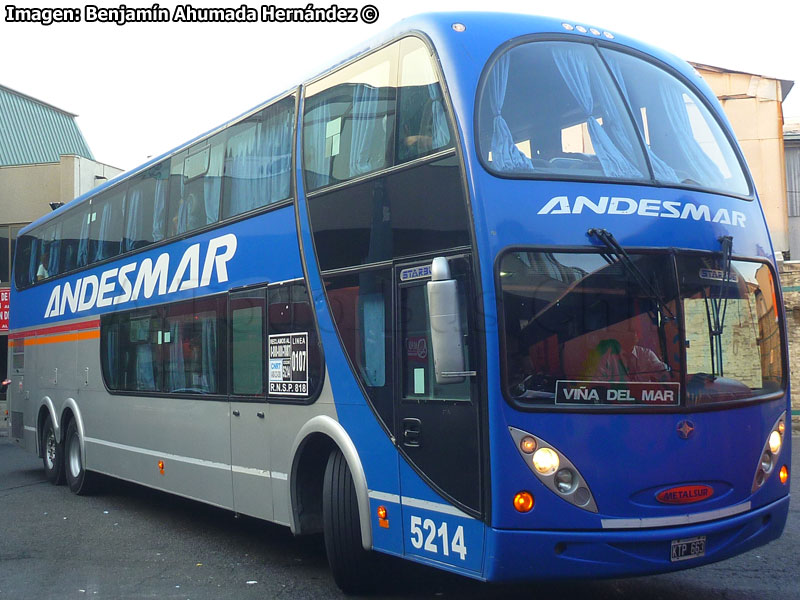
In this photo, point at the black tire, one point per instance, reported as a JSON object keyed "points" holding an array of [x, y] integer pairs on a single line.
{"points": [[80, 481], [350, 563], [52, 454]]}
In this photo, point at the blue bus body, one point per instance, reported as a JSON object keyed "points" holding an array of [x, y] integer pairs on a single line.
{"points": [[628, 458]]}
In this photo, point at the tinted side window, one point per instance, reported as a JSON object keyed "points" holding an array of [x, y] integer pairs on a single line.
{"points": [[194, 349], [176, 349], [361, 308], [404, 213], [105, 231], [70, 240], [422, 124], [145, 205], [258, 160], [348, 125], [130, 350], [196, 185], [22, 259]]}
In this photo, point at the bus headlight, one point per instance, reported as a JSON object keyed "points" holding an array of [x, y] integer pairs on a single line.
{"points": [[545, 461], [553, 469], [775, 442], [770, 453]]}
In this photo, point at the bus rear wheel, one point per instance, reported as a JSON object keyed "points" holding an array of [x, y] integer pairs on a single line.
{"points": [[79, 480], [52, 454], [350, 563]]}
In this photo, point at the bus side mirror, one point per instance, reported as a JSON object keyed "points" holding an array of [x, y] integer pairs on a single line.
{"points": [[445, 320]]}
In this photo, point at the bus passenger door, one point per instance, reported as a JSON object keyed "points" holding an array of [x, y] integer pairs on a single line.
{"points": [[250, 460], [438, 427]]}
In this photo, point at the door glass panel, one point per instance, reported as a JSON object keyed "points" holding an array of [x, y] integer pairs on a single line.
{"points": [[438, 423], [361, 307], [419, 376], [247, 341]]}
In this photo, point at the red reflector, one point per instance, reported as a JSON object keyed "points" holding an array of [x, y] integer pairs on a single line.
{"points": [[685, 494]]}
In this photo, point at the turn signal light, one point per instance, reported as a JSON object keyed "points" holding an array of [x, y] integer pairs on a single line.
{"points": [[784, 474], [523, 502], [527, 444], [382, 520], [161, 467]]}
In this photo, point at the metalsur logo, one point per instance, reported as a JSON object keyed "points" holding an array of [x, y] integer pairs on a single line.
{"points": [[685, 494]]}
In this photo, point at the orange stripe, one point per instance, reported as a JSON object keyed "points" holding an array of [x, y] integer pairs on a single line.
{"points": [[70, 337]]}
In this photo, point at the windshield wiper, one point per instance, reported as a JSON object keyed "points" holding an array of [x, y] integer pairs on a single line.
{"points": [[618, 252], [721, 301]]}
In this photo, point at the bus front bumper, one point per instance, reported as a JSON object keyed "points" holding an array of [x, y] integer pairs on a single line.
{"points": [[531, 555]]}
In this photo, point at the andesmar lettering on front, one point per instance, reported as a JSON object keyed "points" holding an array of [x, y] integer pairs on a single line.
{"points": [[144, 279], [644, 207]]}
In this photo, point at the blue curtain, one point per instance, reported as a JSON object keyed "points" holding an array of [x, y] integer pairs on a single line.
{"points": [[104, 245], [365, 126], [373, 327], [160, 210], [54, 248], [177, 370], [506, 157], [212, 184], [242, 167], [615, 155], [278, 143], [661, 169], [83, 244], [440, 132], [209, 355], [133, 232], [697, 161], [317, 164], [145, 376]]}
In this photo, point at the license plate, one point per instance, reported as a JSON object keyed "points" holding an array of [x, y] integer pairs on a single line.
{"points": [[688, 548]]}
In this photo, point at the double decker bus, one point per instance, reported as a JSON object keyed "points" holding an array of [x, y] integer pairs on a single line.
{"points": [[495, 294]]}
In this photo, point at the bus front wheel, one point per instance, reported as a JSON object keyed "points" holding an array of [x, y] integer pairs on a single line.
{"points": [[79, 480], [350, 563], [52, 454]]}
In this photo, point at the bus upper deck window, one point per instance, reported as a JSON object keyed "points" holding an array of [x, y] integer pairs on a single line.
{"points": [[564, 109]]}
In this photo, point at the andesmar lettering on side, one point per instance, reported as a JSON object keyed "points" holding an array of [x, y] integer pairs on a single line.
{"points": [[134, 280]]}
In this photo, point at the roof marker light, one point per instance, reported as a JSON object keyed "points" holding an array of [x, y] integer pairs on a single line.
{"points": [[595, 31], [459, 27], [609, 35], [581, 28], [567, 26]]}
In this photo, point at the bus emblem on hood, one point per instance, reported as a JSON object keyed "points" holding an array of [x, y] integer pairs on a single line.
{"points": [[685, 494], [685, 429]]}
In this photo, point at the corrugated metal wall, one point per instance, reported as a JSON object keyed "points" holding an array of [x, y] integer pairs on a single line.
{"points": [[32, 132]]}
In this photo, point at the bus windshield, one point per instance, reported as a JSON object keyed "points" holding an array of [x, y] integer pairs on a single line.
{"points": [[592, 329], [571, 110]]}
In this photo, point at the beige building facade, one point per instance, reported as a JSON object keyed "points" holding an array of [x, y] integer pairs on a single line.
{"points": [[27, 191]]}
